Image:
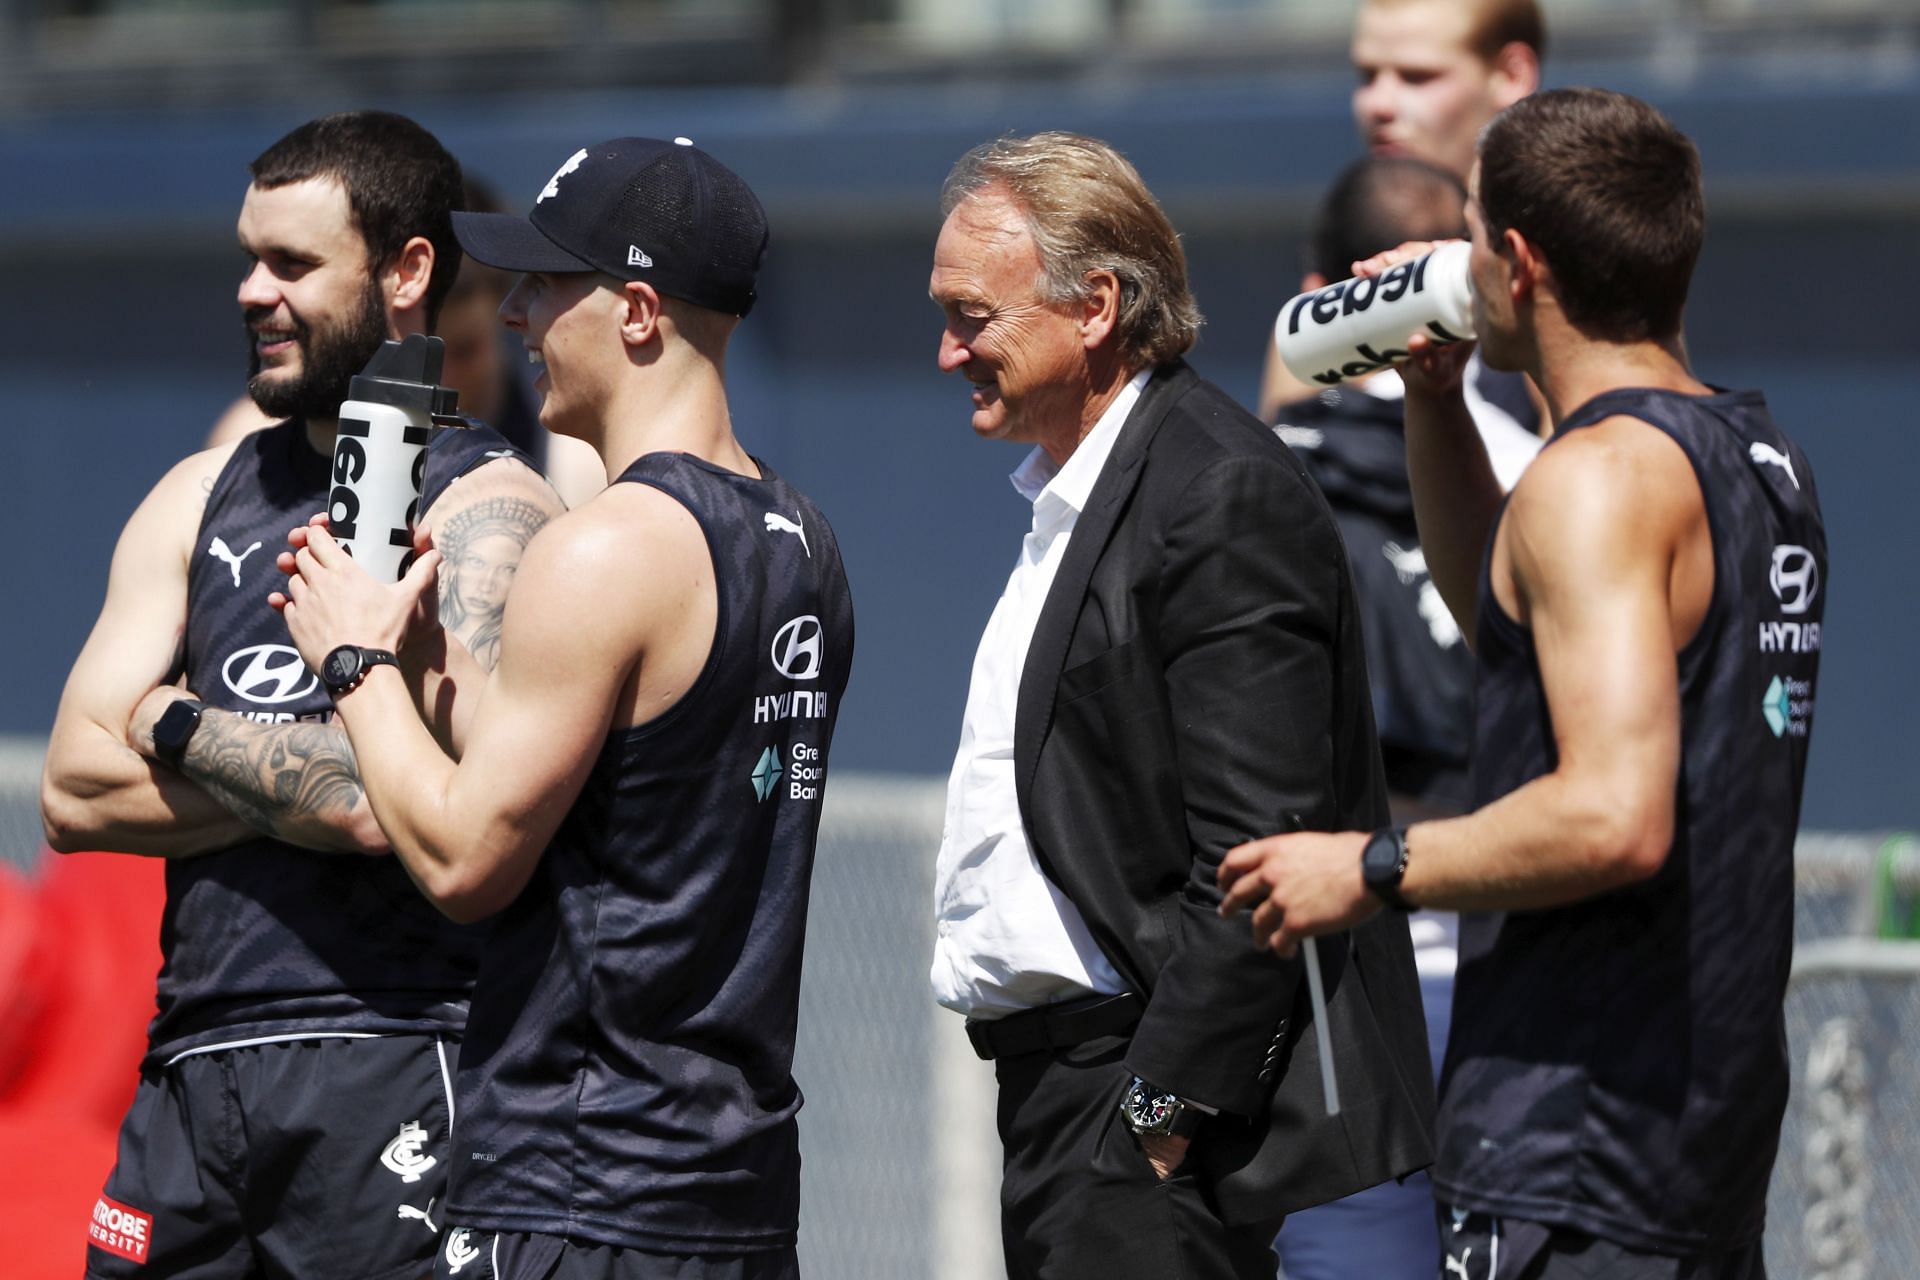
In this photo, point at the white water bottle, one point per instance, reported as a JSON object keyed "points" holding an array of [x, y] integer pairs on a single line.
{"points": [[1360, 326], [380, 455]]}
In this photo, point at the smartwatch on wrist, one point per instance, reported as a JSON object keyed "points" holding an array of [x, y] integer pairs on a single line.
{"points": [[1382, 865], [174, 729], [344, 668], [1154, 1111]]}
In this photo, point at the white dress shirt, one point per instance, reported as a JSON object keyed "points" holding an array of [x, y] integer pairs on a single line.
{"points": [[1007, 938]]}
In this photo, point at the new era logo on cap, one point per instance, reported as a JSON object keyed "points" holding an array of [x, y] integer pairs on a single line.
{"points": [[636, 204]]}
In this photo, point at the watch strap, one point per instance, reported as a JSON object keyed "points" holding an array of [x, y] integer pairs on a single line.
{"points": [[367, 660], [1187, 1120], [175, 729]]}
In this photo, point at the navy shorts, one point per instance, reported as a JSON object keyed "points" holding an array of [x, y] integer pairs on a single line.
{"points": [[1480, 1247], [317, 1159], [469, 1253]]}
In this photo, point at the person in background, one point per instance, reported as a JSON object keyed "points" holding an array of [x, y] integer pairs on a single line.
{"points": [[1430, 75]]}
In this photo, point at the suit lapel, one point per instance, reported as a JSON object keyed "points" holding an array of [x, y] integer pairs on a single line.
{"points": [[1047, 652]]}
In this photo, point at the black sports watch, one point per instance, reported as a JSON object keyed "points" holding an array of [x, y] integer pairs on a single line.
{"points": [[174, 730], [1151, 1110], [344, 668], [1382, 864]]}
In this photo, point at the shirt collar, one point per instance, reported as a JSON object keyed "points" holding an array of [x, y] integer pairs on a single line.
{"points": [[1056, 491]]}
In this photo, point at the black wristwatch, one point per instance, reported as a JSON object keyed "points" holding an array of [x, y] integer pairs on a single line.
{"points": [[344, 668], [1382, 865], [174, 729], [1151, 1110]]}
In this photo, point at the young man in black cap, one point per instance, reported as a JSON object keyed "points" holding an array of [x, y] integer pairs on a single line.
{"points": [[677, 648], [294, 1105]]}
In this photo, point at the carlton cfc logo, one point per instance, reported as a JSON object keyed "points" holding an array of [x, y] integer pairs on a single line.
{"points": [[268, 674], [460, 1250], [404, 1155]]}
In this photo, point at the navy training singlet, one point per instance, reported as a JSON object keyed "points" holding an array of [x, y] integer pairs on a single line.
{"points": [[1619, 1065], [266, 938], [627, 1072]]}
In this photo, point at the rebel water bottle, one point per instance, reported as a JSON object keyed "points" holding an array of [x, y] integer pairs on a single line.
{"points": [[1358, 326], [380, 455]]}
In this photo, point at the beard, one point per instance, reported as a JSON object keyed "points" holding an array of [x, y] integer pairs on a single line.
{"points": [[328, 360]]}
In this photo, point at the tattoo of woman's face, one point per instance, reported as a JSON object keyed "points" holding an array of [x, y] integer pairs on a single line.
{"points": [[482, 546]]}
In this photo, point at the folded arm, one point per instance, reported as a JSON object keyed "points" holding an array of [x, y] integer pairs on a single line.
{"points": [[96, 790]]}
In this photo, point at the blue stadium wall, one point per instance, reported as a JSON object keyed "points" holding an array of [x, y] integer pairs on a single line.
{"points": [[120, 342]]}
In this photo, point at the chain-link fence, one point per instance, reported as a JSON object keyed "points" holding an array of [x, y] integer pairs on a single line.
{"points": [[901, 1158], [1845, 1200], [901, 1161]]}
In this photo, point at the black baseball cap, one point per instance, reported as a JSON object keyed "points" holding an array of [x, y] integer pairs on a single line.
{"points": [[637, 209]]}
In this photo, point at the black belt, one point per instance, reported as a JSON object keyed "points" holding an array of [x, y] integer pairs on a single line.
{"points": [[1054, 1026]]}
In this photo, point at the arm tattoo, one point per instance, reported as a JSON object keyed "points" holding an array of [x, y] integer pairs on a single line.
{"points": [[277, 777], [482, 546]]}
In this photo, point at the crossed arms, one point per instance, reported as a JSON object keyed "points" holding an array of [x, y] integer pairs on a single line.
{"points": [[103, 789]]}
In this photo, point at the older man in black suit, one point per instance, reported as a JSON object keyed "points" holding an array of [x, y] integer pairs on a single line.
{"points": [[1175, 666]]}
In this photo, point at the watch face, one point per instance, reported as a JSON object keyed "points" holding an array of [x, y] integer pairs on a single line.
{"points": [[176, 725], [340, 667], [1149, 1110], [1381, 858]]}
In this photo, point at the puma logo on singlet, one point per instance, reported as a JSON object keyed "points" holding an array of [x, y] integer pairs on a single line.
{"points": [[219, 548], [1410, 566], [424, 1215], [777, 523], [1458, 1266], [1760, 452], [1407, 565]]}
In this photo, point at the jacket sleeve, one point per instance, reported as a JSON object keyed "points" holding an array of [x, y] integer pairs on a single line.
{"points": [[1252, 586]]}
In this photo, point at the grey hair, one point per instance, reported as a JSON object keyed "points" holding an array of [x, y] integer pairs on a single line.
{"points": [[1088, 210]]}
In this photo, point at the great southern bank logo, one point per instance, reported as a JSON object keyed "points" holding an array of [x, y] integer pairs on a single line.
{"points": [[766, 774], [1788, 706], [268, 674]]}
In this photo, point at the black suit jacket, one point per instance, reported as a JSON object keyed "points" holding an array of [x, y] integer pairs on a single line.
{"points": [[1195, 678]]}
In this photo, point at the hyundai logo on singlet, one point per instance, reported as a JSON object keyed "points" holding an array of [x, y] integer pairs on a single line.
{"points": [[1794, 577], [268, 673], [796, 648]]}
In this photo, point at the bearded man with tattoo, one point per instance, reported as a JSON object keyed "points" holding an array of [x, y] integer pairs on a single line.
{"points": [[294, 1107]]}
